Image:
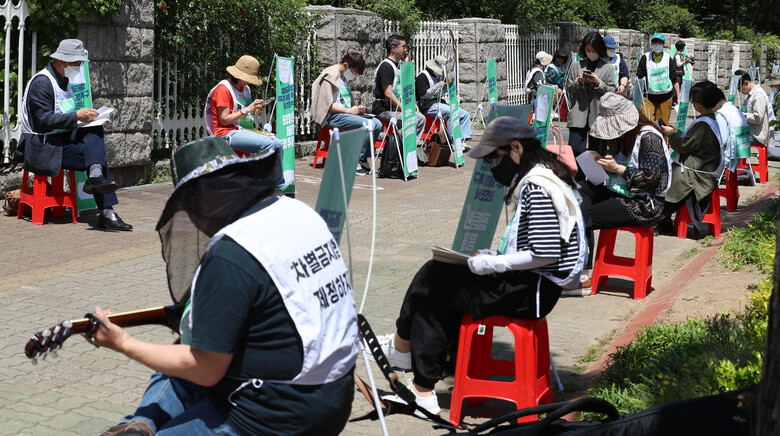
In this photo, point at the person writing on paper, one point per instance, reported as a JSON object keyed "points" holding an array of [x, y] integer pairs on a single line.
{"points": [[587, 80], [332, 107], [430, 86], [230, 110], [543, 251], [699, 163], [51, 139], [639, 169]]}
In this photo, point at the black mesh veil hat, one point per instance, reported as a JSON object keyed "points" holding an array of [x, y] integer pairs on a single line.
{"points": [[213, 188]]}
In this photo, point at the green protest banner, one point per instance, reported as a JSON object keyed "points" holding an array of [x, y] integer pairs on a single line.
{"points": [[742, 137], [492, 82], [685, 102], [520, 111], [733, 89], [82, 98], [285, 119], [333, 198], [481, 210], [409, 110], [452, 96], [544, 104]]}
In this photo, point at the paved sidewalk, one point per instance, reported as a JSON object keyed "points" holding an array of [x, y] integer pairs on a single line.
{"points": [[61, 271]]}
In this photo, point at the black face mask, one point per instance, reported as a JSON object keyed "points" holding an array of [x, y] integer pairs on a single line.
{"points": [[505, 171]]}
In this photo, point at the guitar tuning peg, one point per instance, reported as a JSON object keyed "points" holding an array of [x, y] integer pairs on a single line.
{"points": [[67, 324]]}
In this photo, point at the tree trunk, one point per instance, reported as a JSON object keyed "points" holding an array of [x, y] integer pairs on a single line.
{"points": [[768, 406]]}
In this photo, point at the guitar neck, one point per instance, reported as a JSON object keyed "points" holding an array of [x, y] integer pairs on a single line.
{"points": [[164, 315]]}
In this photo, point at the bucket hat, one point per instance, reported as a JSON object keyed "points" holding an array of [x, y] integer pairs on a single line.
{"points": [[246, 68], [617, 115], [436, 64], [543, 57], [70, 50]]}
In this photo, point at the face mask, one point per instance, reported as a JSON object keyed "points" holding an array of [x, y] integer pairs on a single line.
{"points": [[72, 72], [505, 171], [593, 56], [611, 53], [658, 48], [349, 75]]}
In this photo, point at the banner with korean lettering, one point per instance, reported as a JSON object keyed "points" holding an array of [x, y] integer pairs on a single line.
{"points": [[734, 85], [492, 82], [343, 155], [452, 96], [685, 102], [409, 110], [285, 119], [82, 98], [542, 115]]}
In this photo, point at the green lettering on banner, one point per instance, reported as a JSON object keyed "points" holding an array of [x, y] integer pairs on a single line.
{"points": [[492, 82], [285, 119], [685, 102], [544, 104], [409, 110], [481, 210], [742, 138], [330, 200], [733, 89], [452, 96]]}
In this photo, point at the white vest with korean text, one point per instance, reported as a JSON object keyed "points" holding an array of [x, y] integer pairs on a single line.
{"points": [[658, 81], [60, 96], [240, 100]]}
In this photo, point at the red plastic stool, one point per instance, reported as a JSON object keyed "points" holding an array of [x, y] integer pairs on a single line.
{"points": [[323, 143], [763, 168], [531, 367], [379, 144], [712, 217], [731, 193], [241, 153], [43, 196], [432, 125], [639, 269]]}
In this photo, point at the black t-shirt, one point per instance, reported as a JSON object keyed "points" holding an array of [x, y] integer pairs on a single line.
{"points": [[237, 309], [385, 75], [421, 86]]}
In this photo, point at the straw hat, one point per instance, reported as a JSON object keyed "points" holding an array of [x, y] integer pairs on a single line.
{"points": [[247, 69], [436, 64], [617, 115], [543, 57]]}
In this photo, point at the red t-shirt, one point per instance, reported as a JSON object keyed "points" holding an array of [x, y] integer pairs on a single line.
{"points": [[221, 98]]}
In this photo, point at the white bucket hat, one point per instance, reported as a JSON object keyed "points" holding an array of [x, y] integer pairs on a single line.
{"points": [[617, 115]]}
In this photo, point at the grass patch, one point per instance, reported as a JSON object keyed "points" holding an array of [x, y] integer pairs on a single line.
{"points": [[156, 174], [693, 252], [753, 244], [595, 352]]}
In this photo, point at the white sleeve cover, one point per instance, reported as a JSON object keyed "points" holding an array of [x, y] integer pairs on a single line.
{"points": [[482, 264]]}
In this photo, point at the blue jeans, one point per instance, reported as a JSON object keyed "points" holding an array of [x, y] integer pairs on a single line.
{"points": [[465, 119], [253, 142], [178, 407], [346, 122]]}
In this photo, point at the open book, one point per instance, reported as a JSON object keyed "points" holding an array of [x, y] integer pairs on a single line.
{"points": [[103, 115], [447, 255]]}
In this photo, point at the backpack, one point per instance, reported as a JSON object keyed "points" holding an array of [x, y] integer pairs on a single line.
{"points": [[390, 167]]}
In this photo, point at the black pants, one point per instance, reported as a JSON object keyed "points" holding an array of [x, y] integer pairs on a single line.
{"points": [[696, 209], [86, 148], [580, 140], [440, 294], [602, 209]]}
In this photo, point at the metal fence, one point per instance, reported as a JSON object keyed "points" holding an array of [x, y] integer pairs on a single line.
{"points": [[520, 55], [11, 14]]}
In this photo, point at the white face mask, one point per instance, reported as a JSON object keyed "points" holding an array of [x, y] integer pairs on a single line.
{"points": [[349, 75], [592, 55], [658, 48], [611, 53], [72, 72]]}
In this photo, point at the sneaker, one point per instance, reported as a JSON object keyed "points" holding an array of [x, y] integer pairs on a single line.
{"points": [[365, 166], [397, 359], [466, 148], [431, 404]]}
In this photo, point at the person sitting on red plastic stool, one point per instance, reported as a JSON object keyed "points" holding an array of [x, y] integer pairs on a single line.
{"points": [[543, 251], [699, 163], [51, 139], [756, 108], [430, 88]]}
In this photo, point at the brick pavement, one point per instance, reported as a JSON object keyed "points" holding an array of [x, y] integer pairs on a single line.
{"points": [[61, 270]]}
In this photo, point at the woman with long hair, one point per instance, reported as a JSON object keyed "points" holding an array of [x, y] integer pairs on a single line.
{"points": [[587, 80], [542, 252], [639, 169]]}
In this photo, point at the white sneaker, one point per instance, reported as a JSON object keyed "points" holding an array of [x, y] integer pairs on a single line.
{"points": [[431, 404], [396, 358]]}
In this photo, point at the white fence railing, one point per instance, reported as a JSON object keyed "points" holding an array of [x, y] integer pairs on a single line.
{"points": [[174, 126], [520, 55], [11, 13]]}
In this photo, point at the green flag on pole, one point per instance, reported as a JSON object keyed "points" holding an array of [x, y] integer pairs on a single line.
{"points": [[409, 110], [685, 102], [82, 98], [492, 82], [481, 210], [452, 96], [544, 104], [285, 119], [333, 198]]}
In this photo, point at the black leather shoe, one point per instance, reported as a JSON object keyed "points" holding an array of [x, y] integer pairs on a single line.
{"points": [[113, 223], [99, 185]]}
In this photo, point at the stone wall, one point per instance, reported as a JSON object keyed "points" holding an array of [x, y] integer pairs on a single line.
{"points": [[480, 39], [121, 52]]}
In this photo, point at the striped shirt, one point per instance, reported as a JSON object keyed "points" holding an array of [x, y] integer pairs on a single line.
{"points": [[538, 232]]}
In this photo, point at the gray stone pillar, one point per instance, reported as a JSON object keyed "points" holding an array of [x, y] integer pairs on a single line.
{"points": [[570, 35], [340, 31], [742, 55], [480, 39], [121, 52], [631, 46]]}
